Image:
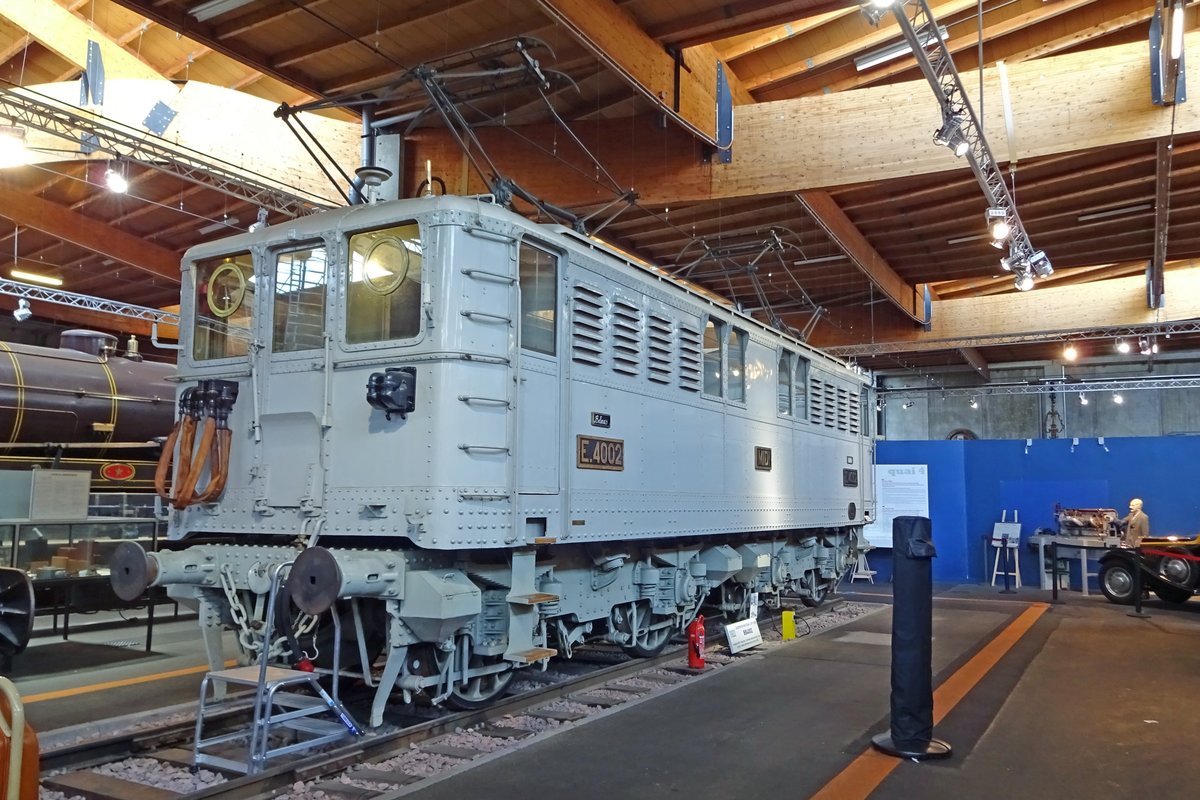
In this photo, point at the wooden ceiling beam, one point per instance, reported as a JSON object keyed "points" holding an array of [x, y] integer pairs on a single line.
{"points": [[1115, 16], [91, 234], [177, 19], [1016, 316], [682, 86], [741, 16], [748, 43], [1003, 20], [836, 40], [67, 36], [822, 208], [391, 18], [976, 361], [1117, 19], [266, 15], [870, 135]]}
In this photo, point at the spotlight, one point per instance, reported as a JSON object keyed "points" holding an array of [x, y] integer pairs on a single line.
{"points": [[1040, 264], [22, 311], [874, 13], [996, 218], [1070, 353], [908, 404], [1123, 346], [1144, 346], [951, 135], [974, 403], [1011, 262], [116, 182], [874, 10], [1117, 398], [1024, 282], [1083, 401]]}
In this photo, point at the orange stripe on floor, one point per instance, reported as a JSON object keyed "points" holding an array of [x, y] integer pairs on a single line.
{"points": [[865, 773], [100, 687]]}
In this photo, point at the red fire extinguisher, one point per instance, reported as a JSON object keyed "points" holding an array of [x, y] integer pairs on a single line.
{"points": [[695, 633]]}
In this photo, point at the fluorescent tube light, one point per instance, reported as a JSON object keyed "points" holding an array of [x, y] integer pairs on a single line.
{"points": [[33, 277], [219, 225], [215, 8], [823, 259], [894, 51], [961, 239], [1115, 212], [1177, 31]]}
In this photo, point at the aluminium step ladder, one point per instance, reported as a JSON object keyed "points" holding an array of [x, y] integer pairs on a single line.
{"points": [[275, 707]]}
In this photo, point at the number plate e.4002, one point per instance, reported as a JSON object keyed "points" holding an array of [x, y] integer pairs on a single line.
{"points": [[592, 452]]}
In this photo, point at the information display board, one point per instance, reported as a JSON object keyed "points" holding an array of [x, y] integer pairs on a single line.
{"points": [[901, 490]]}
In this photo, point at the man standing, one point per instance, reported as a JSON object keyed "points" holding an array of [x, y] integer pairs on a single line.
{"points": [[1135, 525]]}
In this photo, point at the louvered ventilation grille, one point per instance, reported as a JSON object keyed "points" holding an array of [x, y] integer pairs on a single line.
{"points": [[627, 337], [586, 340], [690, 358], [833, 406], [659, 350]]}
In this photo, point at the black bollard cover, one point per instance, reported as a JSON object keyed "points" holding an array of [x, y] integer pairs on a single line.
{"points": [[911, 734]]}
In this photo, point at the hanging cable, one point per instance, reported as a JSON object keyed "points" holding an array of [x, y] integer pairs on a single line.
{"points": [[206, 406]]}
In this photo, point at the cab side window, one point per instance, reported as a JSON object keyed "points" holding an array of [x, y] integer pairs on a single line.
{"points": [[383, 296], [714, 337], [539, 299], [224, 307]]}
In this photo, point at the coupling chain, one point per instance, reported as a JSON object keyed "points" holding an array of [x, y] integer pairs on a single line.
{"points": [[238, 611]]}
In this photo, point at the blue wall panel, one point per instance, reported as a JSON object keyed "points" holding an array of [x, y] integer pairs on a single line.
{"points": [[972, 482]]}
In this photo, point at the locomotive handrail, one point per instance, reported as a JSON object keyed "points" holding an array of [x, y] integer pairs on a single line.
{"points": [[391, 359], [483, 315], [482, 448], [484, 233], [491, 401], [493, 276]]}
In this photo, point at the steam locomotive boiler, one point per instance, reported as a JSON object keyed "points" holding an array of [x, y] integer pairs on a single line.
{"points": [[483, 441], [82, 406]]}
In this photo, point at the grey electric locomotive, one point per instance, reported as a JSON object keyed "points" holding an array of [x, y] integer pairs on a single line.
{"points": [[555, 446]]}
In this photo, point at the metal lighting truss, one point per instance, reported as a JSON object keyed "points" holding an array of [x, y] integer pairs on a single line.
{"points": [[25, 290], [1117, 332], [960, 125], [92, 133], [1050, 387]]}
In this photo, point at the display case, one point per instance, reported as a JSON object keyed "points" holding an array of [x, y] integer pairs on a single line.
{"points": [[52, 550]]}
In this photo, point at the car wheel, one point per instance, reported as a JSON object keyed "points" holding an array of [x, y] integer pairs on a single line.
{"points": [[1116, 581], [1172, 594]]}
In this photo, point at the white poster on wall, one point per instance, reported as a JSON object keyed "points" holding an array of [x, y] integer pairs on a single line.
{"points": [[901, 490]]}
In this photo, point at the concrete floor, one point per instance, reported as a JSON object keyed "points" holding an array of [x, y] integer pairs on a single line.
{"points": [[1089, 702]]}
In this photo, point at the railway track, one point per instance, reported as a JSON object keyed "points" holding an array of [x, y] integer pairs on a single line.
{"points": [[360, 770]]}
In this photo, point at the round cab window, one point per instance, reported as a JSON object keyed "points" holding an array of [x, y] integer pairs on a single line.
{"points": [[386, 265], [226, 290]]}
